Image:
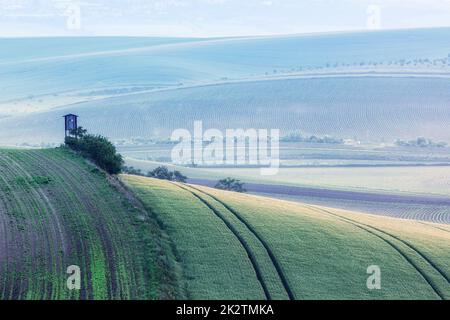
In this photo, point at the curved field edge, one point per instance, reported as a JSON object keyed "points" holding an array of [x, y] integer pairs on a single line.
{"points": [[322, 255], [57, 210]]}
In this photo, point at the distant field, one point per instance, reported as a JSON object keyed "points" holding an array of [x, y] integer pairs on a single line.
{"points": [[422, 180], [57, 211], [368, 109], [285, 250], [147, 87], [121, 61]]}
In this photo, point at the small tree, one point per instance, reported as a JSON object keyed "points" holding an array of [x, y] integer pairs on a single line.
{"points": [[230, 184], [132, 170], [161, 173], [179, 177], [78, 132], [96, 148]]}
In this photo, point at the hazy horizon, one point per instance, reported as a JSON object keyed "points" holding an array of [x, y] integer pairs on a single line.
{"points": [[317, 33], [214, 18]]}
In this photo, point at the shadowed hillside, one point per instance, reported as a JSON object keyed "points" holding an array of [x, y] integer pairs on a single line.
{"points": [[154, 239], [57, 211]]}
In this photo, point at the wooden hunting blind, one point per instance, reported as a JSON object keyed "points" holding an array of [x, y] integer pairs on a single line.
{"points": [[70, 121]]}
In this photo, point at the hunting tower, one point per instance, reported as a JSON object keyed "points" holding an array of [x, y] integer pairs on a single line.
{"points": [[70, 123]]}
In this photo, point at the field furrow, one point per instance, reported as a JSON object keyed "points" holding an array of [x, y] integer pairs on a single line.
{"points": [[215, 264], [245, 244], [57, 210], [142, 238], [426, 268], [266, 252], [29, 223], [319, 251]]}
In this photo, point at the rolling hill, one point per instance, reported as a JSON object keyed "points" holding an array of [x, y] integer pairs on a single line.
{"points": [[146, 87], [293, 251], [56, 211], [141, 238], [371, 109]]}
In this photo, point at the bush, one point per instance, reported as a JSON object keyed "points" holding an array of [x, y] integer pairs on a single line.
{"points": [[299, 137], [179, 177], [132, 170], [96, 148], [421, 143], [163, 173], [230, 184]]}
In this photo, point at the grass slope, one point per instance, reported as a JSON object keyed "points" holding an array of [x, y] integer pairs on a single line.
{"points": [[240, 246], [56, 211], [153, 239]]}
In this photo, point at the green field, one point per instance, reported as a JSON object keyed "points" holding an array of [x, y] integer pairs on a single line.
{"points": [[296, 251], [56, 211], [141, 238]]}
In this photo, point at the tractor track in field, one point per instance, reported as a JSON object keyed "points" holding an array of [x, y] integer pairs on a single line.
{"points": [[72, 193], [373, 230], [56, 234], [111, 246], [434, 227], [23, 235], [67, 176], [57, 210], [263, 242], [8, 263], [117, 286], [243, 242], [42, 170], [39, 219]]}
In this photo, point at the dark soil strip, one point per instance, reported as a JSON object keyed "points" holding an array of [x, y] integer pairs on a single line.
{"points": [[244, 244], [274, 260], [368, 228]]}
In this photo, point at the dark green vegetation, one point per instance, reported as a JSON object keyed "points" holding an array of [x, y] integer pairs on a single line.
{"points": [[161, 172], [56, 210], [421, 143], [96, 148], [230, 184], [238, 246], [297, 136]]}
